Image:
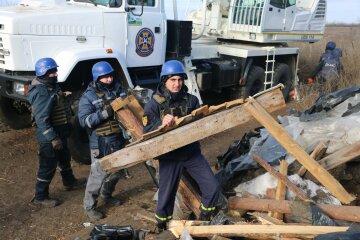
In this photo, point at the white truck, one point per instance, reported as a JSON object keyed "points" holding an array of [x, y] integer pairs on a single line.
{"points": [[230, 47]]}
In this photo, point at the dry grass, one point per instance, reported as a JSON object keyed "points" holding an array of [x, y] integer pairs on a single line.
{"points": [[346, 38]]}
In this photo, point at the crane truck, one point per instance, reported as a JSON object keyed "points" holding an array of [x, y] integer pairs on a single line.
{"points": [[233, 47]]}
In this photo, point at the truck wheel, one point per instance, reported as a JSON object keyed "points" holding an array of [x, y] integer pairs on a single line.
{"points": [[255, 81], [15, 113], [78, 142], [282, 74]]}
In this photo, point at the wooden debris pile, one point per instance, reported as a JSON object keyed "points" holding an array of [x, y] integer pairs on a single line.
{"points": [[271, 215]]}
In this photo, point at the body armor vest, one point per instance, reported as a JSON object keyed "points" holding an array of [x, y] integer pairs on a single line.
{"points": [[111, 126], [61, 111], [179, 109]]}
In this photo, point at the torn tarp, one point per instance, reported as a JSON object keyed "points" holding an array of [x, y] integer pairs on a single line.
{"points": [[336, 125]]}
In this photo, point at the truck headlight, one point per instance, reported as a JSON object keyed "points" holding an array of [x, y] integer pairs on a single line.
{"points": [[20, 88]]}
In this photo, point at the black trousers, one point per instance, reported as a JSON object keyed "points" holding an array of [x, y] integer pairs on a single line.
{"points": [[49, 159], [170, 173]]}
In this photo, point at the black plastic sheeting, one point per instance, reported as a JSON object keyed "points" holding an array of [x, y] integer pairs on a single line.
{"points": [[109, 232], [328, 101], [339, 236], [265, 146]]}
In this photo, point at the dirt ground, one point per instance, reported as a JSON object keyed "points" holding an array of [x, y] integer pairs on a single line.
{"points": [[20, 219]]}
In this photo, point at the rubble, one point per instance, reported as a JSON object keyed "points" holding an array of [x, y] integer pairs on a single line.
{"points": [[319, 139]]}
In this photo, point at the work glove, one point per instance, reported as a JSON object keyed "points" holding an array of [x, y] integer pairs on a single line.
{"points": [[310, 80], [57, 144], [108, 112]]}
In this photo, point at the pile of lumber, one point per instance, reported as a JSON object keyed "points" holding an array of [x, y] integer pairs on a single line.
{"points": [[208, 121]]}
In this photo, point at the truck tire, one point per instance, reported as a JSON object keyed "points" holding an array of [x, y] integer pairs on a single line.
{"points": [[254, 81], [78, 141], [14, 113], [282, 74]]}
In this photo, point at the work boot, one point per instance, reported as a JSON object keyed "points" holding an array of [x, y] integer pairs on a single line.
{"points": [[94, 215], [47, 202], [110, 200], [78, 183]]}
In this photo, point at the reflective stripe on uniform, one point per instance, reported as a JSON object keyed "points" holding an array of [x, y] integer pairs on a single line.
{"points": [[42, 180], [207, 209], [163, 218], [46, 131], [96, 101], [87, 122]]}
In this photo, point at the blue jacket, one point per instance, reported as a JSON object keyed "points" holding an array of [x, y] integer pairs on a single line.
{"points": [[91, 107], [152, 114], [42, 99]]}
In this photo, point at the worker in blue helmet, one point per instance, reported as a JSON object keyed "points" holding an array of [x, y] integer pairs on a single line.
{"points": [[329, 67], [105, 135], [52, 115], [171, 100]]}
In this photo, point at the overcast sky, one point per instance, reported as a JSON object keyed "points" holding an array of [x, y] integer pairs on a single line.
{"points": [[341, 11]]}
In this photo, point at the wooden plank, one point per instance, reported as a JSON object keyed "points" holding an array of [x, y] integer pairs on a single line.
{"points": [[273, 101], [318, 152], [127, 117], [341, 156], [280, 134], [257, 231], [292, 187], [264, 218], [281, 188], [345, 213]]}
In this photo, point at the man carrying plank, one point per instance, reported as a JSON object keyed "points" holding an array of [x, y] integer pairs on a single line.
{"points": [[171, 100]]}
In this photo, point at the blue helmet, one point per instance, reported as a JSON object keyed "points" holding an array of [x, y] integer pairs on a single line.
{"points": [[330, 46], [172, 67], [101, 69], [43, 65]]}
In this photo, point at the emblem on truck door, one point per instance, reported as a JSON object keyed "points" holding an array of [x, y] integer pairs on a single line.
{"points": [[144, 42]]}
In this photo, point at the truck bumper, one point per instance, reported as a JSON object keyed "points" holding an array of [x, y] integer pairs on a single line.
{"points": [[9, 84]]}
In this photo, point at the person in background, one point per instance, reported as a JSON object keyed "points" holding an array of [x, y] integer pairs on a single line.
{"points": [[171, 100], [97, 116], [329, 66], [52, 116]]}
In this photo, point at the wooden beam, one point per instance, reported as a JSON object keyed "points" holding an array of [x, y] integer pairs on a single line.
{"points": [[341, 156], [318, 152], [273, 101], [345, 213], [283, 137], [292, 187], [281, 188], [257, 231]]}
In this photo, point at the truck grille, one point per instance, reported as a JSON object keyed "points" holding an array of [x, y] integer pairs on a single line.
{"points": [[321, 9], [248, 14]]}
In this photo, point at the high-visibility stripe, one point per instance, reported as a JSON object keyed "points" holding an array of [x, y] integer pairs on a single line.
{"points": [[207, 209], [42, 180], [163, 218]]}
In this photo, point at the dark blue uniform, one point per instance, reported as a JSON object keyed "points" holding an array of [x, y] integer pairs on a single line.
{"points": [[329, 66], [52, 118], [187, 158], [93, 117]]}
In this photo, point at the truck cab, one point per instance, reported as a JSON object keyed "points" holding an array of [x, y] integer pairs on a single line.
{"points": [[233, 47]]}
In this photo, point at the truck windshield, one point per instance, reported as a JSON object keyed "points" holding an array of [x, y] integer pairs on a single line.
{"points": [[108, 3]]}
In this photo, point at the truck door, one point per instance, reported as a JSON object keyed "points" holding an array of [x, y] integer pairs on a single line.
{"points": [[280, 15], [146, 33], [275, 14]]}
